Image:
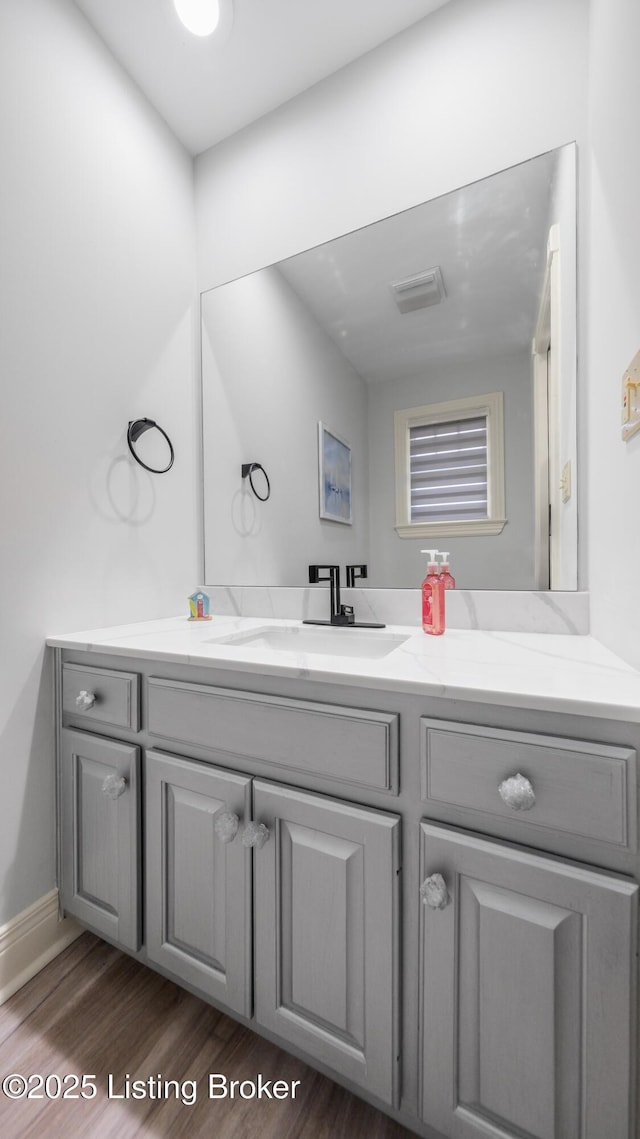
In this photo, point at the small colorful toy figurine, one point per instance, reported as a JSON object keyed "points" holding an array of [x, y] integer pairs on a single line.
{"points": [[199, 607]]}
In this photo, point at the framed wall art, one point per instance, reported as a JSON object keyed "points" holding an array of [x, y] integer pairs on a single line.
{"points": [[334, 476]]}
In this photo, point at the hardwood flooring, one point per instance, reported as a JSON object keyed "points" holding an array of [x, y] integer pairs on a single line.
{"points": [[97, 1012]]}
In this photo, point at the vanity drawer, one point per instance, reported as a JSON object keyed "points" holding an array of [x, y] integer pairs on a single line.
{"points": [[348, 745], [115, 696], [582, 790]]}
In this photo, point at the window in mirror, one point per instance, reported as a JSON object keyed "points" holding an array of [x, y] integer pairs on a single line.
{"points": [[450, 468]]}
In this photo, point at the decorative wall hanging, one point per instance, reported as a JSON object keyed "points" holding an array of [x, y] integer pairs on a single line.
{"points": [[334, 476]]}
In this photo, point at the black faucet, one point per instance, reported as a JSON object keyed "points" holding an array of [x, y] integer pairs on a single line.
{"points": [[341, 615]]}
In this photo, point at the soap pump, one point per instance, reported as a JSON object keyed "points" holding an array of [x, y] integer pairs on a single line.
{"points": [[446, 578], [432, 597]]}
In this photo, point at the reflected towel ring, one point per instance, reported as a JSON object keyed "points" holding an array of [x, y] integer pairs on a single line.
{"points": [[137, 427], [248, 469]]}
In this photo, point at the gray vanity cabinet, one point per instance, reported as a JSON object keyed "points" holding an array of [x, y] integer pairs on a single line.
{"points": [[272, 885], [99, 790], [198, 887], [326, 908], [527, 992]]}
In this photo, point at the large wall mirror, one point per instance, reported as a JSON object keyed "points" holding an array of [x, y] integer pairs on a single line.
{"points": [[469, 295]]}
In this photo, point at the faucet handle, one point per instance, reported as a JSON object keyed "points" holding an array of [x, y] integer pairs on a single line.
{"points": [[314, 574], [354, 572], [345, 616]]}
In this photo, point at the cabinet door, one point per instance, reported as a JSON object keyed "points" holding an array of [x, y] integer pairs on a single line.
{"points": [[527, 993], [100, 835], [326, 895], [198, 904]]}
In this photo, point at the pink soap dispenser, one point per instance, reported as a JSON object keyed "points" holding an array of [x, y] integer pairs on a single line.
{"points": [[432, 597], [447, 580]]}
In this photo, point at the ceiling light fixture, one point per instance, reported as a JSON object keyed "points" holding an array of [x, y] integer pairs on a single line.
{"points": [[201, 17]]}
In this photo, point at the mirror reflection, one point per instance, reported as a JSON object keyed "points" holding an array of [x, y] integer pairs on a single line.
{"points": [[388, 342]]}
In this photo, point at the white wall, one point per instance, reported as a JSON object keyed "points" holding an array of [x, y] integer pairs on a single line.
{"points": [[97, 301], [473, 88], [501, 562], [270, 373], [613, 323]]}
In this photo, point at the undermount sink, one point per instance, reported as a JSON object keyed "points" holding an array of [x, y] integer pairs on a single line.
{"points": [[343, 642]]}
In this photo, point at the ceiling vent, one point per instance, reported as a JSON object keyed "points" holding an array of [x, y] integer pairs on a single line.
{"points": [[420, 291]]}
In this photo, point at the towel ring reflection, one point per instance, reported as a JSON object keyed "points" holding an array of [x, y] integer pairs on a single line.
{"points": [[247, 470], [137, 427]]}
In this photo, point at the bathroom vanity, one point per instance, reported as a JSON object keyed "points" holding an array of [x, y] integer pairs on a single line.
{"points": [[417, 869]]}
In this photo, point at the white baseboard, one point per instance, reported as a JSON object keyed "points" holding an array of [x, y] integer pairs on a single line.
{"points": [[30, 941]]}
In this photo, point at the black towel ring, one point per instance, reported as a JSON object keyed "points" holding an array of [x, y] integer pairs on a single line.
{"points": [[137, 427], [248, 469]]}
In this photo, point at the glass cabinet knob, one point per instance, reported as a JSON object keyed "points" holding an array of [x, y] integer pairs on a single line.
{"points": [[517, 792], [434, 893], [114, 786], [255, 834], [226, 826], [85, 700]]}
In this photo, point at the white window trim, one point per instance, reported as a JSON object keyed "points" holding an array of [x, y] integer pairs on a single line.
{"points": [[493, 407]]}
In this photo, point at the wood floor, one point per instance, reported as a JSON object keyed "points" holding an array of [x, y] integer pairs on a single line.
{"points": [[97, 1012]]}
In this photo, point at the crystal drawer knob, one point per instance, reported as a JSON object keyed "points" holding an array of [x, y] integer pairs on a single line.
{"points": [[85, 700], [434, 893], [226, 826], [114, 786], [255, 834], [517, 792]]}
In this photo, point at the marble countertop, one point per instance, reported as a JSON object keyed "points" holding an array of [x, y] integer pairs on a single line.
{"points": [[550, 672]]}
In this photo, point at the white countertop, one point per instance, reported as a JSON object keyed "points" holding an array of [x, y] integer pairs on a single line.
{"points": [[550, 672]]}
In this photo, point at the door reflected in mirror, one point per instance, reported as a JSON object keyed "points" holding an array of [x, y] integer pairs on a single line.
{"points": [[441, 306]]}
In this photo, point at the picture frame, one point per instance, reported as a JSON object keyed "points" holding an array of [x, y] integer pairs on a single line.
{"points": [[334, 476]]}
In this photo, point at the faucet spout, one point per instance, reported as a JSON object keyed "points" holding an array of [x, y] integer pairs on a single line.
{"points": [[333, 577]]}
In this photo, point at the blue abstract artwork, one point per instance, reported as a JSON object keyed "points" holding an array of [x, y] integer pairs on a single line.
{"points": [[334, 476]]}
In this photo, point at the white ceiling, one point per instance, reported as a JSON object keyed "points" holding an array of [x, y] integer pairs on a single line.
{"points": [[489, 239], [207, 89]]}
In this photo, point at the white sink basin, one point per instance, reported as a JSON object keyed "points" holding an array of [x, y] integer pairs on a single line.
{"points": [[371, 644]]}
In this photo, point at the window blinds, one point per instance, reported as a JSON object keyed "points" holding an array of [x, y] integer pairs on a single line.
{"points": [[448, 470]]}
